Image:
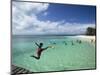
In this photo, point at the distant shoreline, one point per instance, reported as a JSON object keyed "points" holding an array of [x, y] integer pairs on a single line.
{"points": [[87, 38], [84, 37], [52, 35]]}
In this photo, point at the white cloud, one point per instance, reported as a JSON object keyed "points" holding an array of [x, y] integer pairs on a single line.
{"points": [[20, 15], [29, 6], [25, 21]]}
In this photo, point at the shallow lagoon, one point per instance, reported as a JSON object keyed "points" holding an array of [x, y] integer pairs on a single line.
{"points": [[63, 56]]}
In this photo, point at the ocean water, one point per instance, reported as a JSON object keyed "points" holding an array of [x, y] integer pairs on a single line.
{"points": [[66, 54]]}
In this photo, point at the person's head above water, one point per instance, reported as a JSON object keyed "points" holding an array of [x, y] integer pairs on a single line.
{"points": [[41, 44]]}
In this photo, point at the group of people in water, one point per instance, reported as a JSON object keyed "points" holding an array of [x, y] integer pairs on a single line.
{"points": [[40, 48], [72, 42]]}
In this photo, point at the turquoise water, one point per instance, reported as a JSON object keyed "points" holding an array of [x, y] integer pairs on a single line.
{"points": [[61, 57]]}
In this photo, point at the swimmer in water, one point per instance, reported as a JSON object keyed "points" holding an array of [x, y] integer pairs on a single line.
{"points": [[65, 42], [54, 43], [40, 50], [91, 40], [72, 43], [80, 41]]}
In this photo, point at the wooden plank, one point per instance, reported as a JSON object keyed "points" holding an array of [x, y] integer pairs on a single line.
{"points": [[24, 71], [13, 67], [18, 70], [21, 71]]}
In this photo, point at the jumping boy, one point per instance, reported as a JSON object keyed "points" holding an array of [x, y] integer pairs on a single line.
{"points": [[40, 50]]}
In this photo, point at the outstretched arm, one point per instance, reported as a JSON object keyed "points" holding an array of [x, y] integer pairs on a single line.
{"points": [[36, 44], [47, 47]]}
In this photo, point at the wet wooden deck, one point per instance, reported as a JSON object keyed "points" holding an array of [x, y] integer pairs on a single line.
{"points": [[18, 70]]}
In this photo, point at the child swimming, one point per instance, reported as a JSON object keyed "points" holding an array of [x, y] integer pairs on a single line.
{"points": [[40, 50]]}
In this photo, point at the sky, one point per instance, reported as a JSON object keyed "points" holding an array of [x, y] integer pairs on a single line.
{"points": [[29, 18]]}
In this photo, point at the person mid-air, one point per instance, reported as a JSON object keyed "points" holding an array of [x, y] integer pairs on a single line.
{"points": [[40, 50]]}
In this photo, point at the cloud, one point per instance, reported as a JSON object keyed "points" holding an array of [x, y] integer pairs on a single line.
{"points": [[29, 6], [24, 15], [25, 21]]}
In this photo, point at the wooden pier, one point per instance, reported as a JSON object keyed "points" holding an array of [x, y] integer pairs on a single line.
{"points": [[18, 70]]}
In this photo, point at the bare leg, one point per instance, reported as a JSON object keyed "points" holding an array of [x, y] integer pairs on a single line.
{"points": [[38, 56], [35, 57]]}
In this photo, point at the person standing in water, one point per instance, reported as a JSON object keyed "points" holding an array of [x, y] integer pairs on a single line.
{"points": [[40, 50], [72, 42]]}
